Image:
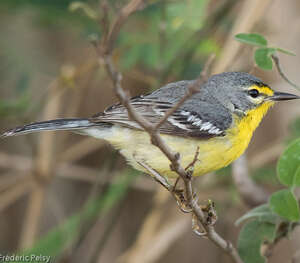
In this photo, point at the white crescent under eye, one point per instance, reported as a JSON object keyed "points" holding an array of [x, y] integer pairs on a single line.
{"points": [[254, 96]]}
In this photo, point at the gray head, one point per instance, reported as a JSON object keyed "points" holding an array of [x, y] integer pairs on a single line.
{"points": [[241, 92]]}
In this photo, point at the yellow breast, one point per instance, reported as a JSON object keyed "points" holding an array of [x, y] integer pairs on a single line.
{"points": [[242, 133]]}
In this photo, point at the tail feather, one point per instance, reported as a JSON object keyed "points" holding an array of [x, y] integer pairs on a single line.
{"points": [[51, 125]]}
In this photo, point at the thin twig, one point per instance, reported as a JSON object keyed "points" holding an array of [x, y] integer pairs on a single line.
{"points": [[252, 194], [283, 231], [277, 64], [156, 176], [192, 164], [191, 90], [269, 154], [156, 139], [129, 9]]}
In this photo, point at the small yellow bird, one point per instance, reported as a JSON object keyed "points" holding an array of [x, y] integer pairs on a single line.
{"points": [[219, 120]]}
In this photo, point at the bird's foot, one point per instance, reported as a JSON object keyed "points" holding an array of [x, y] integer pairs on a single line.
{"points": [[178, 194], [211, 219], [211, 214]]}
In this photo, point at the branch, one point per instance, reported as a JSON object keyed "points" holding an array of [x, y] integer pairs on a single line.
{"points": [[194, 88], [104, 52], [252, 194], [125, 12], [284, 229], [277, 64]]}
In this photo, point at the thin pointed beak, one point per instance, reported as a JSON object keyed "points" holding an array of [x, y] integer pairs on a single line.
{"points": [[278, 96]]}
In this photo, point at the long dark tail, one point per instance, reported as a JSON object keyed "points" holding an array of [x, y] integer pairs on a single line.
{"points": [[52, 125]]}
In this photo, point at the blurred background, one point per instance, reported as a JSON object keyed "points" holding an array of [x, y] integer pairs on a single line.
{"points": [[74, 197]]}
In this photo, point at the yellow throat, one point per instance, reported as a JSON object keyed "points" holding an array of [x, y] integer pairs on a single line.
{"points": [[242, 133]]}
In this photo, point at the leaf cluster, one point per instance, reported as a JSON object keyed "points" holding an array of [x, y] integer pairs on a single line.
{"points": [[263, 53], [264, 222]]}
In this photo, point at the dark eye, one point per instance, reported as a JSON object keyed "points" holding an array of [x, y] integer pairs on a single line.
{"points": [[253, 93]]}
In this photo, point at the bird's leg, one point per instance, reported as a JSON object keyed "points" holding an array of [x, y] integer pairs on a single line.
{"points": [[178, 194], [156, 176], [196, 227]]}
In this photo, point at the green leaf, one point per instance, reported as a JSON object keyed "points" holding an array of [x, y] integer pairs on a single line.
{"points": [[285, 205], [288, 164], [261, 213], [262, 57], [285, 51], [62, 236], [252, 39], [251, 237]]}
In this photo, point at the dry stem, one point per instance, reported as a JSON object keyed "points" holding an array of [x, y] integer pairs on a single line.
{"points": [[105, 52], [277, 64], [252, 194]]}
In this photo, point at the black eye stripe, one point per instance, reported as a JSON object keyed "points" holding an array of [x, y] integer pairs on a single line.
{"points": [[254, 93]]}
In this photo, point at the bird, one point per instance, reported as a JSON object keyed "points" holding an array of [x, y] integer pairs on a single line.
{"points": [[218, 121]]}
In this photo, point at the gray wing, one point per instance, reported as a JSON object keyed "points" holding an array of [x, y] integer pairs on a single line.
{"points": [[197, 117]]}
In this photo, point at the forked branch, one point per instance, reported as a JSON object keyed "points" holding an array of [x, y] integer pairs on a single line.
{"points": [[203, 216]]}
